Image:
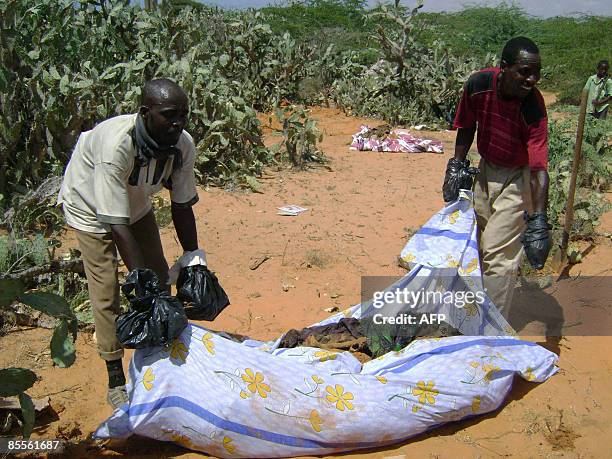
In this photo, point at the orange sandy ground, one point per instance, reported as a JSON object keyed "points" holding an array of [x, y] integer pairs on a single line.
{"points": [[361, 209]]}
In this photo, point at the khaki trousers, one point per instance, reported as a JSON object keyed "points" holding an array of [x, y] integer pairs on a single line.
{"points": [[99, 255], [501, 195]]}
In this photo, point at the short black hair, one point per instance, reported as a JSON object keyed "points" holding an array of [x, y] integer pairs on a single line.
{"points": [[154, 91], [515, 45], [603, 62]]}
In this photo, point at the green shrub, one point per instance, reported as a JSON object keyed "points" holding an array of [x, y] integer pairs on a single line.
{"points": [[301, 136], [594, 175], [570, 49], [66, 65], [478, 30], [411, 82]]}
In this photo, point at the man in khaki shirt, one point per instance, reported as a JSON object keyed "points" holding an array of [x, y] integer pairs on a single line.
{"points": [[114, 170], [599, 88]]}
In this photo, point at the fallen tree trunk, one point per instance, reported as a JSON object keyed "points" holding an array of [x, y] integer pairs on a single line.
{"points": [[56, 266]]}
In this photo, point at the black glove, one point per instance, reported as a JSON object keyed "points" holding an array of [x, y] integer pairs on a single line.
{"points": [[459, 175], [536, 239]]}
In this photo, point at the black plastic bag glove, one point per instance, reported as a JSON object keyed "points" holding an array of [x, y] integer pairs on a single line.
{"points": [[536, 239], [459, 175], [155, 318], [200, 291]]}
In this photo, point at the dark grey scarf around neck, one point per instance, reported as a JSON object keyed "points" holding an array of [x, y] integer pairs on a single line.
{"points": [[146, 146]]}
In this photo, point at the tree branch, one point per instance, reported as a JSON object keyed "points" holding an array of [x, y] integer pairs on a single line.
{"points": [[56, 266]]}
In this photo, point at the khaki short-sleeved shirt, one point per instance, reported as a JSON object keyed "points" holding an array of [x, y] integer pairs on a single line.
{"points": [[597, 88], [96, 193]]}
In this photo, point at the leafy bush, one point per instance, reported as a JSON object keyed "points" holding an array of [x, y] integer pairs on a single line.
{"points": [[66, 65], [35, 211], [570, 46], [411, 82], [300, 136], [594, 175], [17, 254], [570, 49], [33, 224], [479, 29], [320, 23]]}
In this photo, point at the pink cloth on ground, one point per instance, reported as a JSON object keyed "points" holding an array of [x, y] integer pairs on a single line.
{"points": [[397, 141]]}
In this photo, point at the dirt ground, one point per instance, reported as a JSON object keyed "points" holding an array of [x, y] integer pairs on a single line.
{"points": [[362, 209]]}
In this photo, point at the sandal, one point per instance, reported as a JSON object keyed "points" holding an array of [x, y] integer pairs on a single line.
{"points": [[117, 396]]}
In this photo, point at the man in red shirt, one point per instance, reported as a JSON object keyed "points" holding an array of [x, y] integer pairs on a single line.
{"points": [[508, 112]]}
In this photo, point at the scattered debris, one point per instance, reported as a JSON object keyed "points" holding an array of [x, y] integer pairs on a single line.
{"points": [[558, 434], [10, 411], [332, 309], [291, 210], [316, 259], [12, 403], [20, 315], [57, 407], [7, 420], [68, 430], [257, 262]]}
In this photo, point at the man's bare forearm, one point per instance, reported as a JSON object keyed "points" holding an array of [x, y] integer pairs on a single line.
{"points": [[463, 142], [185, 225], [539, 191], [127, 246]]}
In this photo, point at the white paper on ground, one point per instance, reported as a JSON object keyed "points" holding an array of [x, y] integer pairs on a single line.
{"points": [[291, 210]]}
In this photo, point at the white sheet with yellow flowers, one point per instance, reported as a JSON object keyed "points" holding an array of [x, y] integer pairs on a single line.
{"points": [[443, 256], [253, 399], [227, 399]]}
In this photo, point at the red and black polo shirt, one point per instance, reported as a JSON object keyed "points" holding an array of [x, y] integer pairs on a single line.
{"points": [[511, 133]]}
